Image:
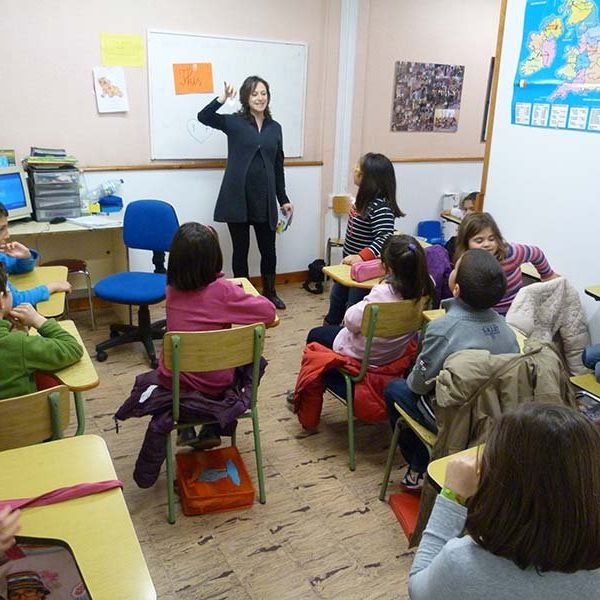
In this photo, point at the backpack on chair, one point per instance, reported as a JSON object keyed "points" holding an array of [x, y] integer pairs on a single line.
{"points": [[314, 283]]}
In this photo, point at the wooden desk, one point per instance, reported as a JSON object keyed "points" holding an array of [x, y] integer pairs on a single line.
{"points": [[593, 291], [587, 383], [98, 528], [437, 468], [451, 218], [78, 377], [102, 249], [55, 305], [530, 271], [436, 313], [250, 289]]}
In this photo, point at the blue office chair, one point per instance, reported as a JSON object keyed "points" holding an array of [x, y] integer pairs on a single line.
{"points": [[431, 231], [148, 225]]}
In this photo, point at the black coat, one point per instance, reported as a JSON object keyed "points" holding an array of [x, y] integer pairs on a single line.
{"points": [[243, 141]]}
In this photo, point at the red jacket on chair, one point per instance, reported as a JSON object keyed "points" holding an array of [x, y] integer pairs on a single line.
{"points": [[369, 404]]}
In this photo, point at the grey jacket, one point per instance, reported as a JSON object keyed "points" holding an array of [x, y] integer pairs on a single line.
{"points": [[461, 328], [454, 568]]}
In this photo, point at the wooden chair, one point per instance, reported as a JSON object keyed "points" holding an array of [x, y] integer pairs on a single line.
{"points": [[427, 437], [341, 206], [202, 351], [34, 418], [380, 319]]}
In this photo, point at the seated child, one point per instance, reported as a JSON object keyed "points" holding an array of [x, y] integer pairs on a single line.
{"points": [[199, 298], [532, 518], [479, 230], [477, 283], [370, 224], [465, 207], [406, 279], [19, 259], [21, 355]]}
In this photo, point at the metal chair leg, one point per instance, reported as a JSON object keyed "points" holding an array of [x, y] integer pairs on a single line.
{"points": [[88, 281], [350, 410], [390, 459], [262, 496], [170, 480]]}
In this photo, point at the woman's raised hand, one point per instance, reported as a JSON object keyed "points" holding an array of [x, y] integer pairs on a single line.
{"points": [[228, 92]]}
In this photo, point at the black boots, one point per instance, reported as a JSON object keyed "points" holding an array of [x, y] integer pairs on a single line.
{"points": [[270, 293]]}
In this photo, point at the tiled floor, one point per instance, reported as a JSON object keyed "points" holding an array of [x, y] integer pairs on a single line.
{"points": [[323, 533]]}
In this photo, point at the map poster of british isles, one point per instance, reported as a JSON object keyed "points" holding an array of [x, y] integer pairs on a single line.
{"points": [[558, 79]]}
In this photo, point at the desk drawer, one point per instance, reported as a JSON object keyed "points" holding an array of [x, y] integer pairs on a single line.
{"points": [[57, 202], [46, 178], [50, 191], [49, 214]]}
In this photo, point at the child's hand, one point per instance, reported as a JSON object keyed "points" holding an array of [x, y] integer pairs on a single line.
{"points": [[26, 315], [462, 475], [9, 526], [15, 249], [59, 286], [351, 259]]}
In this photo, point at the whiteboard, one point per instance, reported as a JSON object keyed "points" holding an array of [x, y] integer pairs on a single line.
{"points": [[175, 131], [542, 184]]}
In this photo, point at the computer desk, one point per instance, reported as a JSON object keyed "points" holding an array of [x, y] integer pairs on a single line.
{"points": [[98, 527]]}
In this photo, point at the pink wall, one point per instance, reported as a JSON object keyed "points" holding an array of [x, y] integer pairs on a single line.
{"points": [[49, 49], [461, 32]]}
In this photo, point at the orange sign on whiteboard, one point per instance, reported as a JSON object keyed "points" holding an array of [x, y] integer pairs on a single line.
{"points": [[193, 78]]}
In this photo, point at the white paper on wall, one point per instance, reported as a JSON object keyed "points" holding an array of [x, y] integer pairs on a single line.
{"points": [[111, 89]]}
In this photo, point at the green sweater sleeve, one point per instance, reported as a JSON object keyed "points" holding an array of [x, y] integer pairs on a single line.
{"points": [[52, 350]]}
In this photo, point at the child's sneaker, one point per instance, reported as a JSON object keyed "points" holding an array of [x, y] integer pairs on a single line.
{"points": [[412, 480], [186, 437], [207, 438], [289, 399]]}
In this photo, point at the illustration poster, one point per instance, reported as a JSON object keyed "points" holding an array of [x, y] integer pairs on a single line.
{"points": [[557, 84], [426, 97], [193, 78], [111, 89]]}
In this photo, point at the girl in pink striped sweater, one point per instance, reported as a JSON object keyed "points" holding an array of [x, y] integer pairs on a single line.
{"points": [[479, 230]]}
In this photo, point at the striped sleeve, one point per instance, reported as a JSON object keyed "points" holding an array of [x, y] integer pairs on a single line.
{"points": [[365, 236]]}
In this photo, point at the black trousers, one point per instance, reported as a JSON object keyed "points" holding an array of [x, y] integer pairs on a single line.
{"points": [[240, 239]]}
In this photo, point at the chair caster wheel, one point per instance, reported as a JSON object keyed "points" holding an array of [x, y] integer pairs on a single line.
{"points": [[101, 356], [114, 333], [154, 363]]}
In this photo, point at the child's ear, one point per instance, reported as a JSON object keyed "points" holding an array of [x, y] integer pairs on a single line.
{"points": [[456, 291]]}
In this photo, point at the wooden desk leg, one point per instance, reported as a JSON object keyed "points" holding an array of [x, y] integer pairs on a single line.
{"points": [[80, 412]]}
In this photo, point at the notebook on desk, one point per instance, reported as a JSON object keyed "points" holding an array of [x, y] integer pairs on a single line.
{"points": [[95, 221]]}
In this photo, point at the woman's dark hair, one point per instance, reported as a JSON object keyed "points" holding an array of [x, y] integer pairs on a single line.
{"points": [[3, 278], [195, 257], [406, 266], [473, 224], [246, 90], [538, 501], [378, 180]]}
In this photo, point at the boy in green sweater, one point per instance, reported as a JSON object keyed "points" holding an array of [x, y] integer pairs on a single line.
{"points": [[21, 355]]}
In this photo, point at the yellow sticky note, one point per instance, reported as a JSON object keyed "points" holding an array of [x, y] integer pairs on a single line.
{"points": [[121, 50], [193, 78]]}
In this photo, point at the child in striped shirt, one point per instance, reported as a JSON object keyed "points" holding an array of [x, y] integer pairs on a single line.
{"points": [[479, 230], [370, 223]]}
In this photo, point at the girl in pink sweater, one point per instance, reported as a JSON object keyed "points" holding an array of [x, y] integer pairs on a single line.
{"points": [[479, 230], [199, 298]]}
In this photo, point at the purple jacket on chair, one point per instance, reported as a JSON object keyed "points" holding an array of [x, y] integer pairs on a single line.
{"points": [[157, 402], [439, 267]]}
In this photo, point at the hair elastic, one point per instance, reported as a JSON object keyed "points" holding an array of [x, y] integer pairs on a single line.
{"points": [[412, 247]]}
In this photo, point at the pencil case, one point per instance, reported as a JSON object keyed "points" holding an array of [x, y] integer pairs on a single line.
{"points": [[368, 269]]}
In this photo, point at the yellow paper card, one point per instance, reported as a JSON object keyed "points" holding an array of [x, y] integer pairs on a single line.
{"points": [[121, 50], [193, 78]]}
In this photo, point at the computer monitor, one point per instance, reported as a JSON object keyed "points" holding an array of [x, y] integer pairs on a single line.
{"points": [[14, 193]]}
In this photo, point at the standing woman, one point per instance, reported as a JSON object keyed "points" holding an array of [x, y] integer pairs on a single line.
{"points": [[254, 182]]}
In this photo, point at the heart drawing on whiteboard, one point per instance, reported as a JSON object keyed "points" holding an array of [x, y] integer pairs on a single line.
{"points": [[198, 131]]}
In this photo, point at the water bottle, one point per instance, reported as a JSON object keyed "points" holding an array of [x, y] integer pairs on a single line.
{"points": [[107, 188]]}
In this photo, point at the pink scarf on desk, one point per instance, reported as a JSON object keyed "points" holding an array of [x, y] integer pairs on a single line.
{"points": [[61, 494]]}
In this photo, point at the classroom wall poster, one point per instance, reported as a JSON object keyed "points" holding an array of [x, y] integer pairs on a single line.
{"points": [[122, 50], [426, 97], [557, 85], [193, 78], [111, 89]]}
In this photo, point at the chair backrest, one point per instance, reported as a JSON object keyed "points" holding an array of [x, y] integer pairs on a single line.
{"points": [[429, 229], [34, 418], [392, 319], [202, 351], [149, 225], [341, 205]]}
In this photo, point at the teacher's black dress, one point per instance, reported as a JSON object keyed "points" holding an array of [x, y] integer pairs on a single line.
{"points": [[253, 186]]}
